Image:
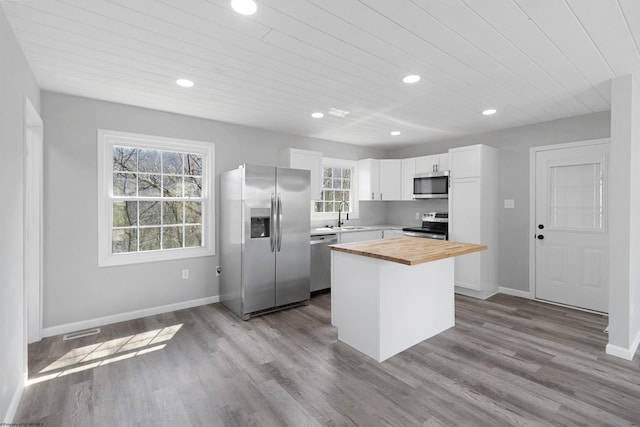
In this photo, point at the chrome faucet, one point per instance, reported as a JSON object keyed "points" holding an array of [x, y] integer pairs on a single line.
{"points": [[340, 222]]}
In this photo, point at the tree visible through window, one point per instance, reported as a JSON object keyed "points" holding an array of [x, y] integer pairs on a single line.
{"points": [[156, 200], [336, 188]]}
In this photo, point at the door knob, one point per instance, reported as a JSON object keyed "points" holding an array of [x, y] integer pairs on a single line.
{"points": [[540, 237], [540, 226]]}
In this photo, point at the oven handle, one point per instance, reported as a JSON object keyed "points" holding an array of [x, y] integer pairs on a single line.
{"points": [[425, 235]]}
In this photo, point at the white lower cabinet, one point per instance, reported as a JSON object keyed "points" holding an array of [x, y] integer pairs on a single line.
{"points": [[464, 200], [360, 236], [392, 234]]}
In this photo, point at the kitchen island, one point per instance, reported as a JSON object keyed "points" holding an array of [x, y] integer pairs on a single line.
{"points": [[388, 295]]}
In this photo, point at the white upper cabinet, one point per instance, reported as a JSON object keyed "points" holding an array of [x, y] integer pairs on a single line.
{"points": [[391, 179], [380, 179], [303, 159], [443, 162], [408, 172], [369, 179], [433, 163], [466, 162]]}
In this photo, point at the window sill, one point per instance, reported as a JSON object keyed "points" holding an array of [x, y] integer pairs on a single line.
{"points": [[153, 256]]}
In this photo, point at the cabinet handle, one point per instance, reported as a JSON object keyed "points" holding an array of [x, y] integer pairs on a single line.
{"points": [[380, 196]]}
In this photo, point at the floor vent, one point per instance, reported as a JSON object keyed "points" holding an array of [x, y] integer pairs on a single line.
{"points": [[80, 334]]}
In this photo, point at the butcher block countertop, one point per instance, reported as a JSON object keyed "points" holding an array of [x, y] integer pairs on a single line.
{"points": [[409, 250]]}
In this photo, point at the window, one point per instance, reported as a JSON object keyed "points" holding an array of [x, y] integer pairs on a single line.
{"points": [[339, 189], [155, 200]]}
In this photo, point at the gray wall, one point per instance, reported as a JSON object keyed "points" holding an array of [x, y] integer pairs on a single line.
{"points": [[75, 288], [514, 147], [16, 83]]}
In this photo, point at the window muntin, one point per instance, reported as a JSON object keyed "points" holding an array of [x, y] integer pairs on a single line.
{"points": [[336, 190], [155, 201], [339, 184]]}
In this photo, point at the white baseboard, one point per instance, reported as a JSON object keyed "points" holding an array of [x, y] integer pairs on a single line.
{"points": [[514, 292], [624, 353], [15, 401], [122, 317]]}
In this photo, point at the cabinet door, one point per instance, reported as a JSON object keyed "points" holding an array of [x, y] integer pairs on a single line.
{"points": [[391, 179], [369, 179], [392, 234], [465, 161], [425, 164], [360, 236], [443, 162], [465, 226], [408, 172]]}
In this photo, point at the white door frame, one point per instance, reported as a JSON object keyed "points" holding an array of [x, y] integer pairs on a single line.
{"points": [[33, 205], [532, 203]]}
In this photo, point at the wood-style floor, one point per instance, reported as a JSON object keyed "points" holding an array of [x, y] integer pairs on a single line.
{"points": [[508, 361]]}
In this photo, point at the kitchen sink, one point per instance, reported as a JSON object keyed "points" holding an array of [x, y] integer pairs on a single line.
{"points": [[352, 227], [344, 228]]}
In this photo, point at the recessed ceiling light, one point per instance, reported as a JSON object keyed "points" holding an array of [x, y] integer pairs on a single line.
{"points": [[395, 133], [317, 115], [489, 112], [411, 78], [184, 83], [244, 7]]}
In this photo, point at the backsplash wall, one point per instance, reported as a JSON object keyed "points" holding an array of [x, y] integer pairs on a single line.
{"points": [[404, 212]]}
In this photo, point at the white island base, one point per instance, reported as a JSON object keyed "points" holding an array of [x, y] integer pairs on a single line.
{"points": [[382, 308]]}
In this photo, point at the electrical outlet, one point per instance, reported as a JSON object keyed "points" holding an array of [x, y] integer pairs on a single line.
{"points": [[418, 216], [218, 270], [185, 273], [509, 204]]}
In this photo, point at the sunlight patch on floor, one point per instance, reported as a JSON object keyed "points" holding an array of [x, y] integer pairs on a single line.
{"points": [[107, 352]]}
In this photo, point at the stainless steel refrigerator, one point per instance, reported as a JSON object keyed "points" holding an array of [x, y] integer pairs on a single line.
{"points": [[264, 227]]}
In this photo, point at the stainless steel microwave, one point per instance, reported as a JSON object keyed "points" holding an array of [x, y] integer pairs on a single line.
{"points": [[432, 185]]}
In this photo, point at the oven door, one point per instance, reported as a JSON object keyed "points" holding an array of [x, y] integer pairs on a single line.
{"points": [[431, 186], [436, 236]]}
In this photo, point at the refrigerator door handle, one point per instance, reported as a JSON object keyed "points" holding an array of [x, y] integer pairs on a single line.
{"points": [[279, 222], [272, 223]]}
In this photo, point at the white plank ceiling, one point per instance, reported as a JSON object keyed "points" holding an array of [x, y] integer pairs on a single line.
{"points": [[532, 60]]}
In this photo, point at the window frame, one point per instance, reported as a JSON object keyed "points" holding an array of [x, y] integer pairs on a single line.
{"points": [[328, 162], [107, 139]]}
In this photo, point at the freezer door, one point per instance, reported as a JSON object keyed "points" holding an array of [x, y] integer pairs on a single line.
{"points": [[258, 257], [293, 202]]}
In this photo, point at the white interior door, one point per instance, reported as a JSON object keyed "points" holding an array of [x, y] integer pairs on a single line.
{"points": [[572, 244]]}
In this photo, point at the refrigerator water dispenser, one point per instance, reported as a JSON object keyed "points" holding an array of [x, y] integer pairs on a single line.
{"points": [[260, 220]]}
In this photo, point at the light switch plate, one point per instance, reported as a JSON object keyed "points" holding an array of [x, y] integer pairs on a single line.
{"points": [[509, 204]]}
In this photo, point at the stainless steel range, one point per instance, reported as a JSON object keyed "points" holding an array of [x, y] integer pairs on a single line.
{"points": [[435, 225]]}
